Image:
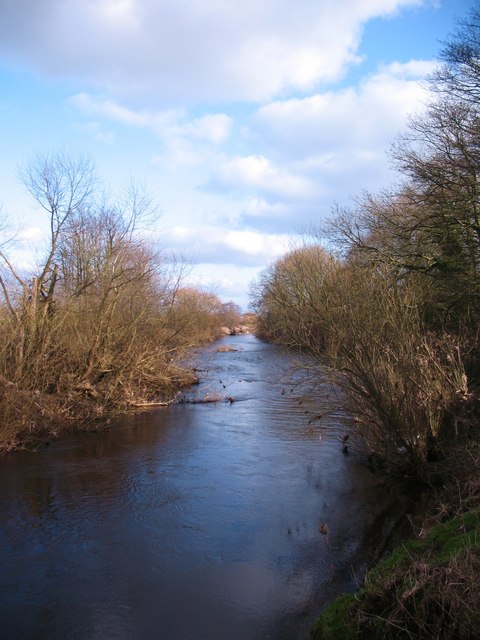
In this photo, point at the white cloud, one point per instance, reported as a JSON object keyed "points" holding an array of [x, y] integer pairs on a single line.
{"points": [[411, 69], [301, 155], [259, 174], [327, 148], [217, 245], [328, 124], [180, 71], [195, 50], [260, 208], [30, 234], [107, 108], [179, 153], [232, 283], [120, 13], [213, 128], [96, 130]]}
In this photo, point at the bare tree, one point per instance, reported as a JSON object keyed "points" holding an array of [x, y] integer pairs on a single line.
{"points": [[459, 76], [61, 185]]}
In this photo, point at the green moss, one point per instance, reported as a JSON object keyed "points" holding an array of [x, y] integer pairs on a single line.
{"points": [[336, 622], [442, 542], [456, 534]]}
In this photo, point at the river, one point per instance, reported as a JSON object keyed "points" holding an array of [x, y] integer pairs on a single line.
{"points": [[197, 521]]}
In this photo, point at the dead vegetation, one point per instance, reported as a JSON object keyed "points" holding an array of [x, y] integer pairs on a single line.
{"points": [[429, 587], [99, 327], [208, 398]]}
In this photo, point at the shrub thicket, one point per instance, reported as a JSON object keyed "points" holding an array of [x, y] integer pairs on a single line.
{"points": [[99, 327]]}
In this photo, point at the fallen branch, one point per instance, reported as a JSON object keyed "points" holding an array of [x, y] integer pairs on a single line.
{"points": [[150, 404]]}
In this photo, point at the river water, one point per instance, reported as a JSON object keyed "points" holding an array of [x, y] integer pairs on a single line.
{"points": [[195, 521]]}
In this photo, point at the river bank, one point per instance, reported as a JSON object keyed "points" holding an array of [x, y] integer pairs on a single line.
{"points": [[30, 417], [427, 588], [428, 585], [94, 401]]}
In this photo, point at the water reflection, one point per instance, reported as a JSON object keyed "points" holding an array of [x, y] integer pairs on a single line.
{"points": [[196, 521]]}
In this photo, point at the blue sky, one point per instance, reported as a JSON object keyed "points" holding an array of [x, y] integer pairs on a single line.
{"points": [[246, 120]]}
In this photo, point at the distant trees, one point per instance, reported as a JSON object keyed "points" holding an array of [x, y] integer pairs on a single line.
{"points": [[99, 325], [231, 314], [196, 313], [290, 297]]}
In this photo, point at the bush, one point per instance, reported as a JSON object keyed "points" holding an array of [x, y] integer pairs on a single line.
{"points": [[99, 328], [401, 383]]}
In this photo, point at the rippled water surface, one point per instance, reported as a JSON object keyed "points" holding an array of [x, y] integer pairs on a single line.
{"points": [[197, 521]]}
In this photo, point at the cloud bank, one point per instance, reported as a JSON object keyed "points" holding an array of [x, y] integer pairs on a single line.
{"points": [[190, 51]]}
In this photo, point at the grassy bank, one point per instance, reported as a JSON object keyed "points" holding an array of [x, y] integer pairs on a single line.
{"points": [[428, 587]]}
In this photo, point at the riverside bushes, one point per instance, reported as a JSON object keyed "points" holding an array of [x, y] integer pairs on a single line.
{"points": [[403, 384], [99, 327]]}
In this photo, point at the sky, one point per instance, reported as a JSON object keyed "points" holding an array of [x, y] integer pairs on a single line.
{"points": [[246, 121]]}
